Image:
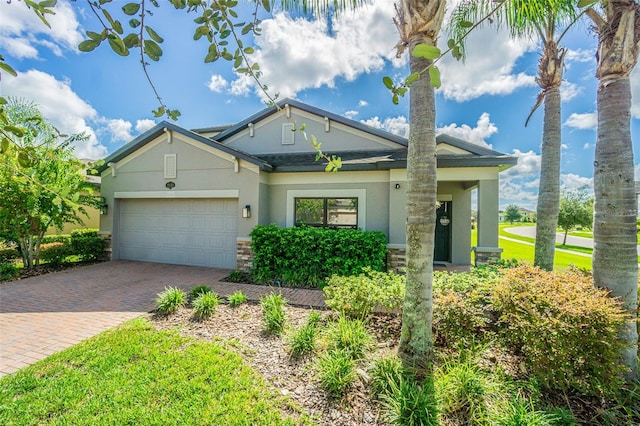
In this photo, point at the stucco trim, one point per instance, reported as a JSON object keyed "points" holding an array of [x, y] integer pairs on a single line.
{"points": [[361, 194], [213, 193]]}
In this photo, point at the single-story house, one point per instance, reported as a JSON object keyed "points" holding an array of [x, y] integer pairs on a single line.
{"points": [[192, 197]]}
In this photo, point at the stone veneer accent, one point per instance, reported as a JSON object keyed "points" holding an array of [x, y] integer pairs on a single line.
{"points": [[396, 260], [487, 255], [108, 248], [244, 257]]}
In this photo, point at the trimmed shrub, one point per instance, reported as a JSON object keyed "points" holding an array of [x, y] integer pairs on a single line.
{"points": [[236, 298], [54, 253], [273, 314], [205, 305], [565, 329], [358, 296], [170, 300], [306, 256], [8, 254], [8, 271], [62, 238], [87, 244]]}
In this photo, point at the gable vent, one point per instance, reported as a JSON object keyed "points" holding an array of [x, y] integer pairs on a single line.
{"points": [[288, 135], [170, 166]]}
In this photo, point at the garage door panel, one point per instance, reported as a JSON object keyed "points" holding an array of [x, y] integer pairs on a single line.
{"points": [[199, 232]]}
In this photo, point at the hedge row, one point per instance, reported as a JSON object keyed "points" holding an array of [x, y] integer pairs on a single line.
{"points": [[307, 256]]}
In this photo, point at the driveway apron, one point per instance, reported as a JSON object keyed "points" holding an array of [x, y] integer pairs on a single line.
{"points": [[47, 313]]}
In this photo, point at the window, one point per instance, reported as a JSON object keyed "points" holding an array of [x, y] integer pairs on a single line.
{"points": [[327, 212]]}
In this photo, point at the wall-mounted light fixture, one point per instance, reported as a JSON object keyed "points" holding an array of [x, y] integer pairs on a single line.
{"points": [[246, 211], [104, 207], [397, 186], [170, 185]]}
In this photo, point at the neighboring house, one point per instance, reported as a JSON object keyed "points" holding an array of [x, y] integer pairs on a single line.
{"points": [[193, 197], [526, 215]]}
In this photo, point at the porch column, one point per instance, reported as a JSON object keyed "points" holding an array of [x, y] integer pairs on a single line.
{"points": [[487, 249]]}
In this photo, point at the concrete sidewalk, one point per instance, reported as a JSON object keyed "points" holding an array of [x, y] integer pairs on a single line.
{"points": [[45, 314]]}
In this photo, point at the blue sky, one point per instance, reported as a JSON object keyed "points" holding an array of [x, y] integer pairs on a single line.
{"points": [[337, 66]]}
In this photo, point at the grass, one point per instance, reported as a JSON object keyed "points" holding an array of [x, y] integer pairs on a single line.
{"points": [[135, 375]]}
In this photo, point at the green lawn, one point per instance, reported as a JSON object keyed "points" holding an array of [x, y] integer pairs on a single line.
{"points": [[135, 375]]}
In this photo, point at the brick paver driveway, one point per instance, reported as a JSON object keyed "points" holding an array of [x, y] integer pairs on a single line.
{"points": [[44, 314]]}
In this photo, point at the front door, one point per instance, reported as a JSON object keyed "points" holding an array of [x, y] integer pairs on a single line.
{"points": [[442, 252]]}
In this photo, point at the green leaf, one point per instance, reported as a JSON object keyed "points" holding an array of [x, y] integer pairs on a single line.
{"points": [[248, 50], [237, 61], [134, 23], [118, 46], [47, 3], [395, 99], [426, 51], [451, 43], [267, 5], [6, 67], [88, 45], [107, 15], [17, 131], [152, 50], [247, 28], [412, 78], [24, 160], [4, 145], [387, 82], [158, 112], [586, 3], [434, 77], [131, 8], [131, 40], [466, 24], [154, 35], [94, 36], [117, 26]]}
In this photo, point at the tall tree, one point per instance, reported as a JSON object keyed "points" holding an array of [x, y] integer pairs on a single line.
{"points": [[547, 20], [43, 184], [419, 23], [615, 261]]}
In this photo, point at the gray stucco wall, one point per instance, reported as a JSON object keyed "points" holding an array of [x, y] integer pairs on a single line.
{"points": [[142, 176], [267, 136]]}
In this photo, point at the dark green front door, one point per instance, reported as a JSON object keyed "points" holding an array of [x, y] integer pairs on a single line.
{"points": [[442, 252]]}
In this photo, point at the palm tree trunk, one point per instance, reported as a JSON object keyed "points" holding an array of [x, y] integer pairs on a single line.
{"points": [[615, 261], [416, 346], [549, 189]]}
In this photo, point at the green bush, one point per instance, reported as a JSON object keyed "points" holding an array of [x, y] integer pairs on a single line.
{"points": [[205, 305], [87, 244], [306, 256], [54, 253], [358, 296], [62, 238], [386, 374], [170, 300], [236, 299], [348, 335], [238, 276], [8, 254], [337, 372], [8, 271], [197, 291], [565, 329], [273, 314], [462, 392]]}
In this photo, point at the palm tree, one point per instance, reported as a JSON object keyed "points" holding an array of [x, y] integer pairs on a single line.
{"points": [[419, 22], [543, 19], [615, 262]]}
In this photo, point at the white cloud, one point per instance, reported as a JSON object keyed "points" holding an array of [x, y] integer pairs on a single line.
{"points": [[486, 71], [579, 55], [569, 91], [316, 57], [587, 145], [519, 184], [396, 125], [22, 31], [528, 166], [635, 92], [217, 83], [351, 114], [571, 182], [483, 130], [144, 125], [586, 121], [362, 103], [120, 129]]}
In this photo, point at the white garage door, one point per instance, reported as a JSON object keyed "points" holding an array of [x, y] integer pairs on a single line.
{"points": [[199, 232]]}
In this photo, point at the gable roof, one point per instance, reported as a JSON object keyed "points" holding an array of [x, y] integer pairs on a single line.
{"points": [[160, 128], [383, 159], [261, 115]]}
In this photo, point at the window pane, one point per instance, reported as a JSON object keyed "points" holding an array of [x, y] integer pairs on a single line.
{"points": [[309, 211], [342, 212]]}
